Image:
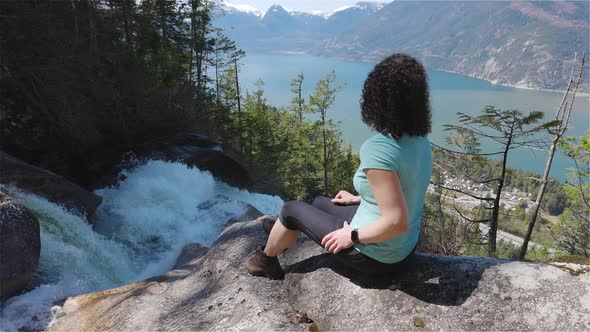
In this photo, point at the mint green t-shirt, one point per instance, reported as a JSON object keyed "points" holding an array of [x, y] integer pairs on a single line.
{"points": [[411, 158]]}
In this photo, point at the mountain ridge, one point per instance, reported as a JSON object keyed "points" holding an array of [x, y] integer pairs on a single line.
{"points": [[361, 5], [528, 45], [288, 31], [521, 44]]}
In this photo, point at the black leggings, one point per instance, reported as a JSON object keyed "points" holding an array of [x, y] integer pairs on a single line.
{"points": [[323, 217]]}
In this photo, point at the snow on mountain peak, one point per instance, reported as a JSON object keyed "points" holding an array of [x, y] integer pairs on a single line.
{"points": [[339, 9], [241, 8], [363, 5]]}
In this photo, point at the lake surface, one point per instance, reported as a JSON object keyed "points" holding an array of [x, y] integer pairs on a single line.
{"points": [[450, 93]]}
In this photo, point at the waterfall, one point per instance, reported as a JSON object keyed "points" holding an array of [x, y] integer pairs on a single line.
{"points": [[138, 232]]}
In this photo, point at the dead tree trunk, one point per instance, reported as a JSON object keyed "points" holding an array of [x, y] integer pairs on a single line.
{"points": [[564, 117]]}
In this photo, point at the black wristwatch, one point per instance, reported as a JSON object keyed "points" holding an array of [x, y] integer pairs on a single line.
{"points": [[354, 236]]}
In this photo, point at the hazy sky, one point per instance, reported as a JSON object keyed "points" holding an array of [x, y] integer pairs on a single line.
{"points": [[300, 5]]}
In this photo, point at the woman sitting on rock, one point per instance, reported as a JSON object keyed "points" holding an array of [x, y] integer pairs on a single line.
{"points": [[377, 231]]}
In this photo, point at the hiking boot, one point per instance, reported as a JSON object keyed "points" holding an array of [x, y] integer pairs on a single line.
{"points": [[260, 264], [267, 224]]}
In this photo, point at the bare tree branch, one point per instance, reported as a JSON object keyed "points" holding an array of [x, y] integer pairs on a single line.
{"points": [[475, 221], [556, 137], [462, 192], [468, 176], [569, 85], [466, 153], [580, 184]]}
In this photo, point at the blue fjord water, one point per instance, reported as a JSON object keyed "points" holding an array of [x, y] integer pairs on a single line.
{"points": [[450, 93], [143, 223]]}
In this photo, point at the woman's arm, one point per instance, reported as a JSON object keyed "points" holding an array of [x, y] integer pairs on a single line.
{"points": [[393, 222], [387, 191], [346, 198]]}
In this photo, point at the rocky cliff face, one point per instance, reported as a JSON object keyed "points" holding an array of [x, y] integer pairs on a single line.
{"points": [[20, 245], [527, 44], [214, 292], [41, 182]]}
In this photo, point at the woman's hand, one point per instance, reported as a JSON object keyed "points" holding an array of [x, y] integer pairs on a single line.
{"points": [[345, 198], [338, 239]]}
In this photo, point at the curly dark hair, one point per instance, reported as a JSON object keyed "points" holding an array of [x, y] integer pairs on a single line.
{"points": [[395, 97]]}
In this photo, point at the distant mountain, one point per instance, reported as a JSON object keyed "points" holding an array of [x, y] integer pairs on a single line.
{"points": [[281, 30], [229, 7], [349, 16], [527, 44], [277, 20]]}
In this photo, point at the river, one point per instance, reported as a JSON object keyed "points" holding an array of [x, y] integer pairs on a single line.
{"points": [[138, 232]]}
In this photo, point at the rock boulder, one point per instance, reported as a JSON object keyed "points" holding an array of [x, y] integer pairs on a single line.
{"points": [[196, 150], [41, 182], [250, 213], [20, 245], [189, 252], [214, 292]]}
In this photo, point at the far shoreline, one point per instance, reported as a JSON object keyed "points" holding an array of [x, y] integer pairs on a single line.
{"points": [[581, 94], [515, 86]]}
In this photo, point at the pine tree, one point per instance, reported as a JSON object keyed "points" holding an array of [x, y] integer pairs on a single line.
{"points": [[509, 129], [319, 102], [563, 116], [572, 234], [297, 101]]}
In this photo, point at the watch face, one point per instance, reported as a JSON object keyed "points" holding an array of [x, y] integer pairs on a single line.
{"points": [[354, 236]]}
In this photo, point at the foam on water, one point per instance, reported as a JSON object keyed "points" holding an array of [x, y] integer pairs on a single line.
{"points": [[139, 229]]}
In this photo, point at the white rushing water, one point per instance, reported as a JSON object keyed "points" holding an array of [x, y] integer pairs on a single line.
{"points": [[139, 230]]}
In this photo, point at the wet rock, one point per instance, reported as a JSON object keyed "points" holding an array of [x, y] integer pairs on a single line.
{"points": [[196, 150], [41, 182], [250, 213], [20, 245], [445, 293], [189, 252]]}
